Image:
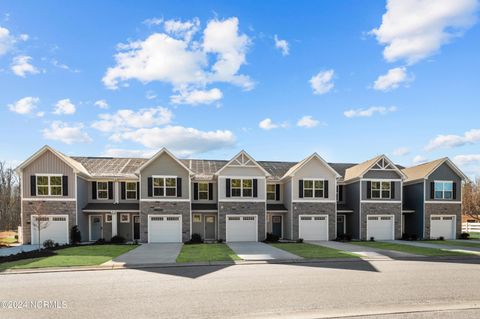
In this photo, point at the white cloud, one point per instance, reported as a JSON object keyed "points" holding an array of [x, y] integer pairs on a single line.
{"points": [[21, 66], [25, 105], [401, 151], [392, 80], [469, 159], [282, 45], [185, 30], [307, 121], [322, 82], [127, 119], [370, 111], [64, 106], [419, 159], [119, 152], [63, 66], [195, 97], [101, 104], [153, 21], [6, 41], [412, 30], [268, 124], [66, 133], [150, 95], [448, 141]]}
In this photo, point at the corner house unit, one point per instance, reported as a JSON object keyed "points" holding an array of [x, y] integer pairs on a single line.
{"points": [[167, 199]]}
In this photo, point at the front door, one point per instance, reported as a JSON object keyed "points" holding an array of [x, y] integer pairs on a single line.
{"points": [[277, 226], [209, 227], [340, 225], [95, 227], [136, 227]]}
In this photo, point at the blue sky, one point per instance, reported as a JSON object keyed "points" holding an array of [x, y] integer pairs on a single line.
{"points": [[280, 79]]}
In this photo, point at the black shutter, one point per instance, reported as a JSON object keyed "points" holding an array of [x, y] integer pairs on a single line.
{"points": [[277, 191], [179, 187], [94, 190], [454, 190], [138, 190], [65, 185], [392, 190], [227, 187], [123, 190], [369, 190], [300, 188], [340, 193], [110, 190], [150, 186], [33, 185], [210, 191], [255, 187], [432, 190], [325, 185], [195, 191]]}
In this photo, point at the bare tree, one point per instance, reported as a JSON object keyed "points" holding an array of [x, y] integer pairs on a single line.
{"points": [[9, 198], [471, 199], [40, 221]]}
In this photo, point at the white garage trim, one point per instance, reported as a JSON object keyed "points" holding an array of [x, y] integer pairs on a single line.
{"points": [[321, 217], [179, 240], [90, 225], [450, 218], [33, 228], [380, 216], [227, 218]]}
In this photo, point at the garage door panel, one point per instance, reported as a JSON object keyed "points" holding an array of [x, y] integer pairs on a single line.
{"points": [[241, 228], [380, 227], [313, 227], [165, 229], [53, 227], [442, 226]]}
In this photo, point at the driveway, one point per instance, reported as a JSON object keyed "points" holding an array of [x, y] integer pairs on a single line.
{"points": [[470, 250], [149, 254], [17, 249], [367, 252], [259, 251]]}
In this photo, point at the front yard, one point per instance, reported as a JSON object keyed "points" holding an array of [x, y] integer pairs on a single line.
{"points": [[311, 251], [460, 243], [205, 253], [73, 256], [408, 249]]}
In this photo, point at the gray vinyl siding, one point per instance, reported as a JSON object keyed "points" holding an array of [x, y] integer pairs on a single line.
{"points": [[314, 169], [382, 174], [89, 193], [48, 163], [206, 201], [199, 228], [260, 190], [344, 199], [398, 192], [287, 220], [443, 173], [120, 193], [125, 229], [413, 200], [280, 200], [352, 196], [82, 200]]}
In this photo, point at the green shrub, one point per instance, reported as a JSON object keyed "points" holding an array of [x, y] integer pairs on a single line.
{"points": [[75, 235], [117, 240], [48, 244]]}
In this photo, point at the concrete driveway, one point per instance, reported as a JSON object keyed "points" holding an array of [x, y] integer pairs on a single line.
{"points": [[17, 249], [149, 254], [259, 251]]}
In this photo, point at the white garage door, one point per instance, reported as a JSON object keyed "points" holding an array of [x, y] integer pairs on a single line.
{"points": [[313, 227], [242, 228], [380, 227], [164, 229], [442, 226], [53, 227]]}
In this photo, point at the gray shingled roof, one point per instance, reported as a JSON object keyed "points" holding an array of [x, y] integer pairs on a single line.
{"points": [[276, 169], [109, 166], [203, 169], [340, 168]]}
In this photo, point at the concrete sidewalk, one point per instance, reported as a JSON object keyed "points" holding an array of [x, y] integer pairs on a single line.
{"points": [[365, 252], [17, 249], [148, 254], [470, 250], [260, 251]]}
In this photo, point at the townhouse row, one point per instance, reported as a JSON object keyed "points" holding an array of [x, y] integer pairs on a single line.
{"points": [[167, 199]]}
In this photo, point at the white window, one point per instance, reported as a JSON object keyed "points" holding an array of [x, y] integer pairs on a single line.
{"points": [[203, 191], [131, 190], [443, 190], [49, 185], [108, 218], [313, 188], [241, 187], [165, 186], [271, 192], [380, 190], [102, 190], [197, 218], [124, 218]]}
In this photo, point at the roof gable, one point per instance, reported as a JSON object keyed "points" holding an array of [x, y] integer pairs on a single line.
{"points": [[243, 159], [302, 163], [380, 163], [160, 153], [423, 171]]}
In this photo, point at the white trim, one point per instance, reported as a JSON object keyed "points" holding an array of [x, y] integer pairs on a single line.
{"points": [[308, 159], [313, 180], [162, 199], [392, 164], [382, 201], [109, 210], [445, 215], [381, 180], [90, 226], [76, 202], [49, 187], [103, 190], [242, 152], [48, 199], [154, 157], [128, 219], [106, 219], [126, 190], [164, 177], [452, 166], [443, 190], [243, 215], [242, 177], [149, 216], [196, 214], [380, 215], [241, 187], [345, 211], [316, 215], [242, 199], [47, 215], [442, 202], [116, 192], [319, 200], [380, 190], [208, 191]]}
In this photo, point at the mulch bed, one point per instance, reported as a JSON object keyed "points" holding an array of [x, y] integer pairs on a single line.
{"points": [[28, 254]]}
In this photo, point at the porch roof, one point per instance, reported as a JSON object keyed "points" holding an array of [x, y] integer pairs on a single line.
{"points": [[91, 207]]}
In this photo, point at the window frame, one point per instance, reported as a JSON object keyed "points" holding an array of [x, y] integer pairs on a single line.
{"points": [[381, 189], [107, 217], [207, 191], [313, 188], [443, 190], [241, 188], [49, 185], [102, 190], [274, 192], [126, 221], [197, 221], [164, 187], [131, 191]]}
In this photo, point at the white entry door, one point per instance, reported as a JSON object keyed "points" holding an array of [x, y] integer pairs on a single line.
{"points": [[164, 228], [442, 226], [53, 227], [380, 227], [242, 228], [313, 227]]}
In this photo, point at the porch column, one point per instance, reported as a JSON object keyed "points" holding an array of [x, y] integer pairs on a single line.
{"points": [[114, 223]]}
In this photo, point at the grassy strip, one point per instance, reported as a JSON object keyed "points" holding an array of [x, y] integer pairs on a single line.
{"points": [[463, 243], [311, 251], [206, 253], [424, 251]]}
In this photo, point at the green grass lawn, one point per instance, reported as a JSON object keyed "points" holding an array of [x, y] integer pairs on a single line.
{"points": [[72, 256], [409, 249], [206, 252], [7, 241], [474, 235], [311, 251], [463, 243]]}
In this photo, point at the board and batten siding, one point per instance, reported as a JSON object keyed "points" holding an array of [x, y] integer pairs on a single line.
{"points": [[314, 169], [48, 163], [222, 190], [444, 173], [213, 188]]}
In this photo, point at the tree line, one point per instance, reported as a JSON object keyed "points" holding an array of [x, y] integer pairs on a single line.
{"points": [[471, 199], [9, 198]]}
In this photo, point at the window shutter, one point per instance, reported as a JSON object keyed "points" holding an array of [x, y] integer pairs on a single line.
{"points": [[110, 190], [227, 187], [195, 191], [94, 190], [340, 193], [150, 186], [392, 190], [65, 185], [255, 187], [179, 187], [369, 189], [33, 185], [432, 190], [277, 191], [138, 190], [123, 189], [325, 185], [454, 190], [300, 188], [210, 191]]}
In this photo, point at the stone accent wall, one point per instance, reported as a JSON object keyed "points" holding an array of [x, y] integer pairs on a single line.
{"points": [[49, 208], [382, 209], [300, 208], [164, 208], [443, 209], [241, 208]]}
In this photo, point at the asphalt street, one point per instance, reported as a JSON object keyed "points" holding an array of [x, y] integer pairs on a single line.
{"points": [[376, 289]]}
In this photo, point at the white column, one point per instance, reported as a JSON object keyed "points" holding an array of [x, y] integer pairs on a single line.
{"points": [[114, 223]]}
